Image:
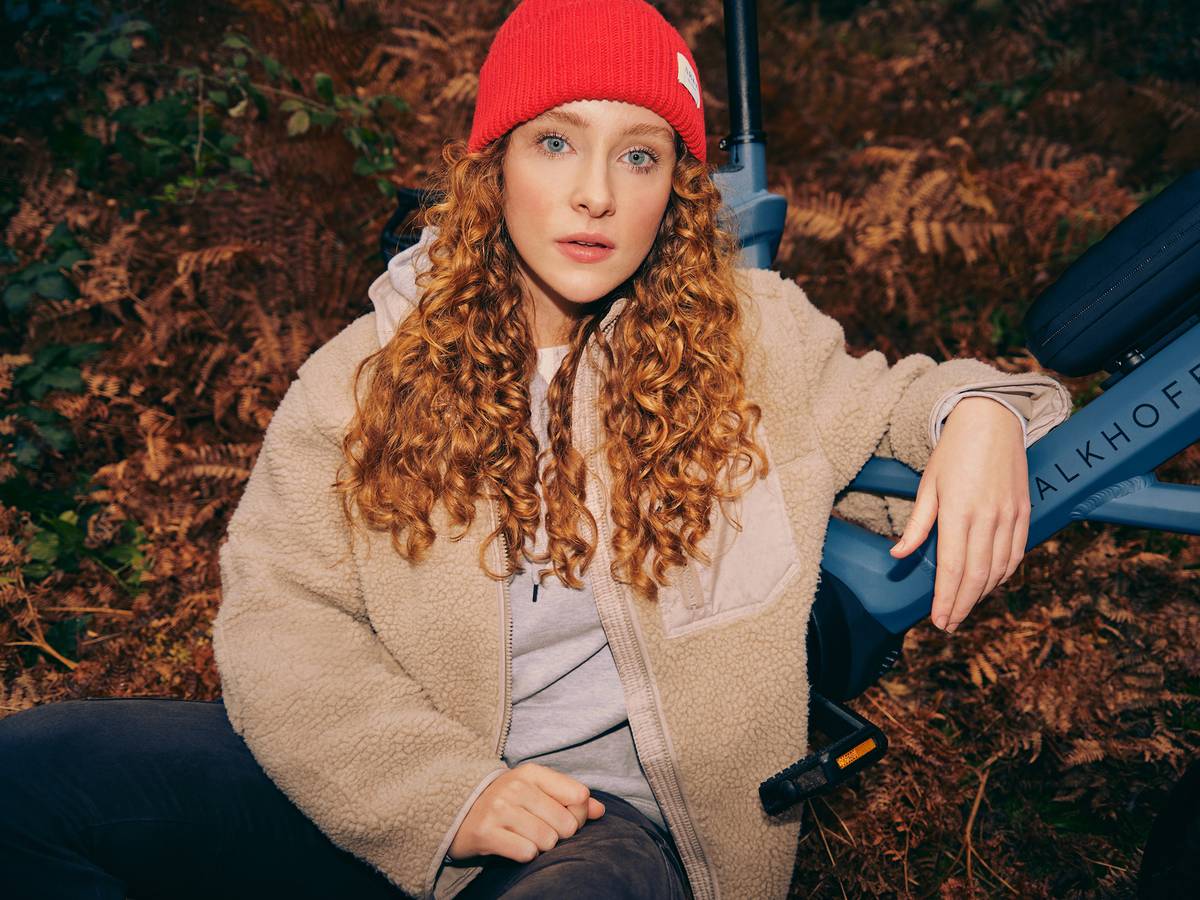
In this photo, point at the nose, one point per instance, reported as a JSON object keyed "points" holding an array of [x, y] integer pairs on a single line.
{"points": [[592, 192]]}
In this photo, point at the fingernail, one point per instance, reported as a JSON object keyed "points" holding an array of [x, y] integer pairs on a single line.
{"points": [[940, 622], [951, 627]]}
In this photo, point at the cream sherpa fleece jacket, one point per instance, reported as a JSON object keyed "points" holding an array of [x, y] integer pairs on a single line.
{"points": [[377, 694]]}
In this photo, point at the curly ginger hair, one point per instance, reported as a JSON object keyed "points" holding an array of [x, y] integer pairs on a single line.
{"points": [[446, 415]]}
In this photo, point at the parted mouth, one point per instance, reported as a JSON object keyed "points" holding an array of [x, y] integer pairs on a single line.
{"points": [[588, 239]]}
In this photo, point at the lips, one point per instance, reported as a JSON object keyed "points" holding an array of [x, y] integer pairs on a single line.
{"points": [[587, 239], [583, 253]]}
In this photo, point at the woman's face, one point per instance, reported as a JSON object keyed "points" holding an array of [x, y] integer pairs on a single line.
{"points": [[600, 167]]}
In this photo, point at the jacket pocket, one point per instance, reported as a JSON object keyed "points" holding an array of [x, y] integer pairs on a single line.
{"points": [[749, 569]]}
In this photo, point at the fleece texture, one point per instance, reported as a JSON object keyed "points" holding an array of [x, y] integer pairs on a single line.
{"points": [[374, 691]]}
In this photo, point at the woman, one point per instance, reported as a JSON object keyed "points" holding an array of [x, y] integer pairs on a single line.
{"points": [[515, 600]]}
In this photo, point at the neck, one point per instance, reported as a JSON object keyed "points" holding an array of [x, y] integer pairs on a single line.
{"points": [[550, 315]]}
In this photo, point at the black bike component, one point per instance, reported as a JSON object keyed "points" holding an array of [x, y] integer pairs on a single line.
{"points": [[1128, 294], [741, 56], [848, 650], [854, 744], [399, 234]]}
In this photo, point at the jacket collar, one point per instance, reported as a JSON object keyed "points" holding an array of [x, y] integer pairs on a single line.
{"points": [[610, 317]]}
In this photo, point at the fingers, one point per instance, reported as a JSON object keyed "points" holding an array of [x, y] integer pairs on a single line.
{"points": [[920, 521], [557, 817], [532, 827], [975, 573], [951, 560], [563, 788], [1002, 541], [580, 812], [561, 801], [511, 845], [964, 564], [592, 809], [523, 812], [1020, 538]]}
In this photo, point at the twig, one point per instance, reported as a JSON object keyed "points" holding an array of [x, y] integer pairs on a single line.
{"points": [[1106, 865], [853, 843], [101, 639], [101, 610], [828, 852], [274, 90], [39, 637], [993, 871], [45, 648], [883, 710], [970, 849]]}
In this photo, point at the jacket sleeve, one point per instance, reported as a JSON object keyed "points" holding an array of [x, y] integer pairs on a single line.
{"points": [[329, 714], [862, 407]]}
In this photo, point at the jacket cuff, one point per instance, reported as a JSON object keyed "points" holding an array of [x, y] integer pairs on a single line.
{"points": [[447, 878], [1038, 401], [947, 406]]}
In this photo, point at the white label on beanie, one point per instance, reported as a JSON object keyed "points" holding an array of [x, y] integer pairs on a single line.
{"points": [[687, 77]]}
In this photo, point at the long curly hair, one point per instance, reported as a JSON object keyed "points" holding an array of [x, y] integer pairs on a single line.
{"points": [[446, 412]]}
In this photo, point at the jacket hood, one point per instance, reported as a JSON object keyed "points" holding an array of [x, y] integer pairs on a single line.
{"points": [[394, 293]]}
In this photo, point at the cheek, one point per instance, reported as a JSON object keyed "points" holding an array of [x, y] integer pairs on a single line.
{"points": [[648, 206], [526, 203]]}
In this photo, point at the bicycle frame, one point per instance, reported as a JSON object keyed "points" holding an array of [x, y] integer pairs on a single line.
{"points": [[1097, 466]]}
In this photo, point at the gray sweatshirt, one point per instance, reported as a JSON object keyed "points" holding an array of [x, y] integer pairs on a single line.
{"points": [[569, 710]]}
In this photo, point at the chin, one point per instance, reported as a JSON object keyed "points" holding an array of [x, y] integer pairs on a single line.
{"points": [[585, 287]]}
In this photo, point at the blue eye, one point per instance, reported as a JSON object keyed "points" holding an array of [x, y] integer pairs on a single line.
{"points": [[542, 139]]}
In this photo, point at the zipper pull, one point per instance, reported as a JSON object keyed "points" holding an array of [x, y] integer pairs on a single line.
{"points": [[689, 586]]}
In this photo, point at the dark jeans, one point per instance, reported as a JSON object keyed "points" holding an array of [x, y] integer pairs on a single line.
{"points": [[150, 797]]}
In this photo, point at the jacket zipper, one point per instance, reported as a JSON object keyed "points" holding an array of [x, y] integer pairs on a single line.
{"points": [[506, 620], [624, 648], [691, 853]]}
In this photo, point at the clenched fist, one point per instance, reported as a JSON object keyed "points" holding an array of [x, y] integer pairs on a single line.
{"points": [[523, 812]]}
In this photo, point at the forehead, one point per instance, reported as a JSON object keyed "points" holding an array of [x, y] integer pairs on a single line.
{"points": [[608, 115]]}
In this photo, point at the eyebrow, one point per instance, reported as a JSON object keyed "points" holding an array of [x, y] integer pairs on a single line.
{"points": [[642, 128]]}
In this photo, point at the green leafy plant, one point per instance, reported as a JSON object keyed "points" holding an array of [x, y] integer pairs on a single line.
{"points": [[44, 280], [53, 367], [360, 117], [178, 142], [57, 543], [177, 145], [32, 89], [56, 539]]}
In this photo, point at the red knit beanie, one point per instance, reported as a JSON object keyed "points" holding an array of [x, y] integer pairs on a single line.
{"points": [[550, 52]]}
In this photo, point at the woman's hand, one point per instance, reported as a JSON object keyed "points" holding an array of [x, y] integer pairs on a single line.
{"points": [[523, 812], [976, 488]]}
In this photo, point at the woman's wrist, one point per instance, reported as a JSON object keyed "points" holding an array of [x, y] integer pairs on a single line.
{"points": [[977, 403]]}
